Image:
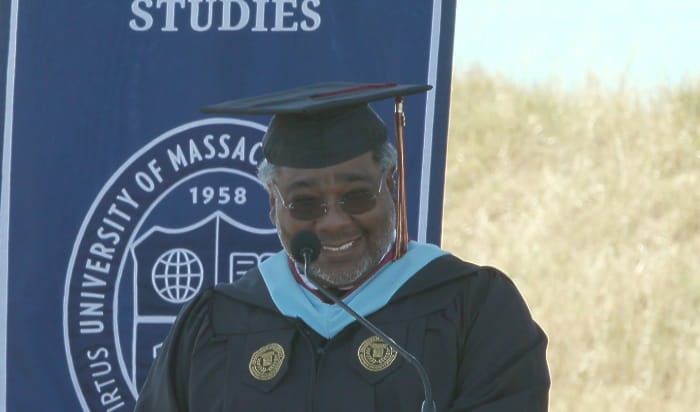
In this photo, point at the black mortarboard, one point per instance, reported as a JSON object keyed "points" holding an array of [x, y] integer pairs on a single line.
{"points": [[321, 124]]}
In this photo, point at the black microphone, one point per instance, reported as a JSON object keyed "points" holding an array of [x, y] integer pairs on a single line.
{"points": [[306, 247]]}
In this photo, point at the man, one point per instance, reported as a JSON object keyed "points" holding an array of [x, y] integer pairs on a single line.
{"points": [[274, 342]]}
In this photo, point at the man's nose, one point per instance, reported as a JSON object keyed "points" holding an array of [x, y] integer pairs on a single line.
{"points": [[335, 218]]}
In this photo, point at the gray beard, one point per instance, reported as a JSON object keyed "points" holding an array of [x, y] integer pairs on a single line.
{"points": [[345, 279], [342, 279]]}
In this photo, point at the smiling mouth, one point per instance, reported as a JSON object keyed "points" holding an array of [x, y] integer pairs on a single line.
{"points": [[339, 248]]}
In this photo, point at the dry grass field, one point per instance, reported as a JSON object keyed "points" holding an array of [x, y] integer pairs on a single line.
{"points": [[590, 200]]}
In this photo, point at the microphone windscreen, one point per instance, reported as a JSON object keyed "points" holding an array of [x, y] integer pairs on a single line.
{"points": [[305, 242]]}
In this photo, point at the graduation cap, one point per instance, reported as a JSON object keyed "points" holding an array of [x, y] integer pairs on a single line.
{"points": [[324, 124]]}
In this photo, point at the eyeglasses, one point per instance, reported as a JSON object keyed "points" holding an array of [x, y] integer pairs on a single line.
{"points": [[354, 202]]}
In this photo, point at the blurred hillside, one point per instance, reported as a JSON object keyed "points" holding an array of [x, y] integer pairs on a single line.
{"points": [[590, 200]]}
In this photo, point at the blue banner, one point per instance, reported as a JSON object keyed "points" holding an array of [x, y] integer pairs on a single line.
{"points": [[120, 200]]}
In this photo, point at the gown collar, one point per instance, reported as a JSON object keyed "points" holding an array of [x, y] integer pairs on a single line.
{"points": [[294, 300]]}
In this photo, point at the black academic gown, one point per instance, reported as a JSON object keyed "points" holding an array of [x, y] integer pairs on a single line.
{"points": [[468, 325]]}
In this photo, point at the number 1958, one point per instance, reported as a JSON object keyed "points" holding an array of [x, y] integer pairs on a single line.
{"points": [[222, 195]]}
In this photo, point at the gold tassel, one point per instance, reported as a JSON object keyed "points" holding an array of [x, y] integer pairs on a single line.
{"points": [[401, 222]]}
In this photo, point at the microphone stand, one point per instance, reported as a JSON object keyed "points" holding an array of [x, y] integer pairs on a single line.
{"points": [[428, 404]]}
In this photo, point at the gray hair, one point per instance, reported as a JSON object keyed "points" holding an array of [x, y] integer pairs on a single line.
{"points": [[384, 154]]}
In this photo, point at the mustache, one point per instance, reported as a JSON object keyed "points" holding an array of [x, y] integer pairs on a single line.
{"points": [[338, 236]]}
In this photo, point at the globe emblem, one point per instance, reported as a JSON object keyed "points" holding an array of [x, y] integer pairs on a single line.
{"points": [[177, 275]]}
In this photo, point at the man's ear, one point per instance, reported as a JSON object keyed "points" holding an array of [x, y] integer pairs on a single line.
{"points": [[390, 184], [273, 206]]}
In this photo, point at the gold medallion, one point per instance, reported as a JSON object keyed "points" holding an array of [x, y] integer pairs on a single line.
{"points": [[375, 354], [266, 362]]}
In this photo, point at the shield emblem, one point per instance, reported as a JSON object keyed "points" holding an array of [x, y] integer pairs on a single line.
{"points": [[170, 266]]}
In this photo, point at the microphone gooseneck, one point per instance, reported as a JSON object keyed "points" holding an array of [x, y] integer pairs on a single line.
{"points": [[306, 247]]}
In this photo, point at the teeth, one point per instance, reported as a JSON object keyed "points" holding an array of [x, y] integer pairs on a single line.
{"points": [[342, 247]]}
